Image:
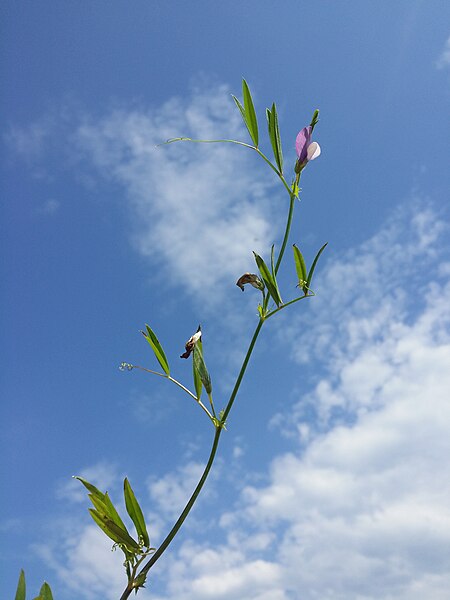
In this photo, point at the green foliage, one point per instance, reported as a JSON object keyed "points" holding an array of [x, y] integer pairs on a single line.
{"points": [[45, 592], [197, 379], [106, 516], [157, 349], [21, 587], [135, 512], [274, 135], [248, 112], [313, 266], [200, 368], [300, 267], [269, 279]]}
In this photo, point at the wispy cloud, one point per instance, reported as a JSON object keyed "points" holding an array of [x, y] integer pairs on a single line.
{"points": [[198, 210], [443, 61], [359, 507]]}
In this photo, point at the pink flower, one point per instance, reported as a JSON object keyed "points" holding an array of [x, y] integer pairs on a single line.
{"points": [[305, 148]]}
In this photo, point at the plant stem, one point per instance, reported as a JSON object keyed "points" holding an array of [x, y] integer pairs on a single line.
{"points": [[219, 427], [172, 533], [286, 233], [242, 371], [199, 402]]}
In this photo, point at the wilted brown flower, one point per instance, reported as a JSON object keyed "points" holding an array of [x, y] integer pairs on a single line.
{"points": [[250, 278], [191, 343]]}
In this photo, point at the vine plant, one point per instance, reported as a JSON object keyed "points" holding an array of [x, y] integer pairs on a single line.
{"points": [[139, 555]]}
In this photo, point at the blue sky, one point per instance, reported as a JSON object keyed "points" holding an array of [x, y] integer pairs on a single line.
{"points": [[333, 479]]}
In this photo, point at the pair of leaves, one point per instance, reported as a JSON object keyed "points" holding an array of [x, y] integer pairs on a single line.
{"points": [[45, 592], [269, 277], [305, 278], [201, 375], [157, 349], [248, 112], [274, 135], [249, 117], [108, 519]]}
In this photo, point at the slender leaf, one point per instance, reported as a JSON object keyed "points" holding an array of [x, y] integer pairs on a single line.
{"points": [[157, 349], [45, 592], [271, 285], [135, 512], [313, 266], [113, 531], [242, 111], [300, 267], [112, 512], [106, 508], [250, 114], [274, 135], [96, 492], [197, 379], [21, 586], [200, 367]]}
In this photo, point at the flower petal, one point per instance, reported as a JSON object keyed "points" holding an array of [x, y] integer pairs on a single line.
{"points": [[302, 142], [313, 151]]}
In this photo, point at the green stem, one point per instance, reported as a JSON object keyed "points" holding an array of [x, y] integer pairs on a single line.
{"points": [[242, 371], [199, 402], [310, 295], [286, 232], [172, 533], [219, 428], [262, 155]]}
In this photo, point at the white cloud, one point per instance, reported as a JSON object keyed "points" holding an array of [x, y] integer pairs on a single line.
{"points": [[359, 508], [198, 210], [85, 564], [362, 510], [444, 58], [170, 493]]}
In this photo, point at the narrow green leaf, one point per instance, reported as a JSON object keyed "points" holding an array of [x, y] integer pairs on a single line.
{"points": [[135, 512], [45, 592], [112, 512], [96, 492], [241, 109], [274, 135], [271, 285], [300, 267], [113, 531], [21, 586], [197, 379], [250, 114], [105, 507], [157, 349], [200, 367], [313, 266]]}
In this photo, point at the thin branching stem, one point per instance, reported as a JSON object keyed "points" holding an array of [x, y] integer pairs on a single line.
{"points": [[220, 424], [261, 154], [192, 395]]}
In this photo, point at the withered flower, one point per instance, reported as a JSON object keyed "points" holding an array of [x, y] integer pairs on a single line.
{"points": [[250, 278], [191, 343]]}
